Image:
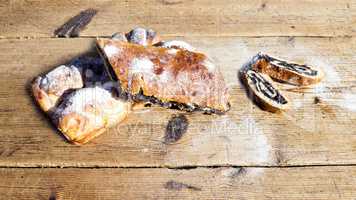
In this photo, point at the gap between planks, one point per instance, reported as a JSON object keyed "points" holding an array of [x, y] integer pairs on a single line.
{"points": [[184, 167], [181, 36]]}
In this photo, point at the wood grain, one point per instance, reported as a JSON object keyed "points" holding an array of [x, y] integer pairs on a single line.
{"points": [[245, 154], [184, 17], [317, 183], [309, 133]]}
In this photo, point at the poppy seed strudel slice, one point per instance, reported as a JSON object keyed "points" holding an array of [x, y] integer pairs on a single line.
{"points": [[296, 74], [263, 92], [169, 77]]}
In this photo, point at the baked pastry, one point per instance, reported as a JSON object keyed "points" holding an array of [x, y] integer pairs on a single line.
{"points": [[296, 74], [170, 74], [80, 114], [142, 36], [48, 89], [88, 112], [174, 78], [263, 91], [176, 44]]}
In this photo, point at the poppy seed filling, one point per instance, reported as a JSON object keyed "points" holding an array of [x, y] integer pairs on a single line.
{"points": [[141, 97], [266, 88], [302, 69]]}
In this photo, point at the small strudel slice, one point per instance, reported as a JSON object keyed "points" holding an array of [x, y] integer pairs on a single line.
{"points": [[263, 92], [296, 74]]}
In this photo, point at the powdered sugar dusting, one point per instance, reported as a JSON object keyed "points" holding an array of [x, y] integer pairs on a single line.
{"points": [[178, 44], [60, 79], [298, 103], [111, 50], [229, 141], [172, 51], [144, 67], [262, 147], [141, 65], [209, 65], [166, 76], [100, 100], [348, 101], [345, 99], [87, 96]]}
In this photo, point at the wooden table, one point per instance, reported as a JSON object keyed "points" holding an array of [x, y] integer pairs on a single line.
{"points": [[307, 152]]}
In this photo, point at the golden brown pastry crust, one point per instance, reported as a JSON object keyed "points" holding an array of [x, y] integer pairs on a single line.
{"points": [[77, 129], [93, 111], [48, 89], [87, 113], [296, 74], [270, 99], [44, 100], [170, 75]]}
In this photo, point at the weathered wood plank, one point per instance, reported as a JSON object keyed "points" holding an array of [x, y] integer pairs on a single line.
{"points": [[319, 183], [308, 134], [171, 17]]}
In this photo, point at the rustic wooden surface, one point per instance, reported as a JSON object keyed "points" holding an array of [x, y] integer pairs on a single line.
{"points": [[185, 17], [308, 152], [161, 183]]}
